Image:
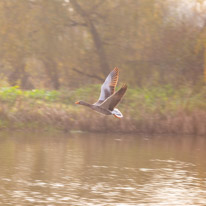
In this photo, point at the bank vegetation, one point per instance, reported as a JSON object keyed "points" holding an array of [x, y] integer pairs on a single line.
{"points": [[156, 110]]}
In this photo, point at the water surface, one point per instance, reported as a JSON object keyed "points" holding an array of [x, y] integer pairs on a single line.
{"points": [[102, 169]]}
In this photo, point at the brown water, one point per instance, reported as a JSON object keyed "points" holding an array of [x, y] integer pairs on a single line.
{"points": [[102, 169]]}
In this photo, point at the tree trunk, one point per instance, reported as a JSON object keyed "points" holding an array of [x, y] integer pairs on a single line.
{"points": [[25, 81], [19, 73], [51, 71], [104, 65]]}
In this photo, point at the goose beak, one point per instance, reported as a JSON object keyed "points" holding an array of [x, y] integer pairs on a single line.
{"points": [[77, 102]]}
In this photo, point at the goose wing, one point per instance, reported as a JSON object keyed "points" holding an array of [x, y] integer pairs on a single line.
{"points": [[114, 99], [108, 87]]}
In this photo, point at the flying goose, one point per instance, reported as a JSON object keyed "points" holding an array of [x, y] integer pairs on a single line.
{"points": [[108, 97]]}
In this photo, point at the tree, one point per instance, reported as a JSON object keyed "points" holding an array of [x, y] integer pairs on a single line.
{"points": [[104, 65]]}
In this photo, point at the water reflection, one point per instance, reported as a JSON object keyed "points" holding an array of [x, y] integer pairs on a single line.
{"points": [[103, 169]]}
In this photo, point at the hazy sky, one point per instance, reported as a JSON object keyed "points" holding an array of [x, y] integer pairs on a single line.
{"points": [[188, 10]]}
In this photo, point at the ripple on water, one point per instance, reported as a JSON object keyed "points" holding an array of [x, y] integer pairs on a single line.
{"points": [[99, 171]]}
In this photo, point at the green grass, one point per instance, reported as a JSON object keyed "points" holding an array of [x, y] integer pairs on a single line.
{"points": [[155, 109], [156, 99], [11, 94]]}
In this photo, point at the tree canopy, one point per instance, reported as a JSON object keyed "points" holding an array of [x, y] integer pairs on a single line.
{"points": [[69, 43]]}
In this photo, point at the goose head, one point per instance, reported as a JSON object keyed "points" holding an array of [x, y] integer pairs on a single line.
{"points": [[83, 103], [79, 102]]}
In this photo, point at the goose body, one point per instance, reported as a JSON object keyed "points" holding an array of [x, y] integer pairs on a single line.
{"points": [[108, 98]]}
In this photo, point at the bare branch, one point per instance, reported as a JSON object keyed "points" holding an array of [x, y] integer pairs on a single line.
{"points": [[88, 75], [75, 24]]}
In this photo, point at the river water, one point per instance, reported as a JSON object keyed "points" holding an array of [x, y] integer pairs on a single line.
{"points": [[102, 169]]}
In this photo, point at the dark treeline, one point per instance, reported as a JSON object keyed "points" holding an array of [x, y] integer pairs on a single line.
{"points": [[68, 43]]}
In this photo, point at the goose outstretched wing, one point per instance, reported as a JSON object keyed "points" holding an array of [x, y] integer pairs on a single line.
{"points": [[108, 87], [114, 99]]}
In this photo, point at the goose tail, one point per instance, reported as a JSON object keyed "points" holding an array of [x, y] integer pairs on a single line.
{"points": [[117, 113]]}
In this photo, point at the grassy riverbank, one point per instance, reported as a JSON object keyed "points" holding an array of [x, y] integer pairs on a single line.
{"points": [[148, 110]]}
